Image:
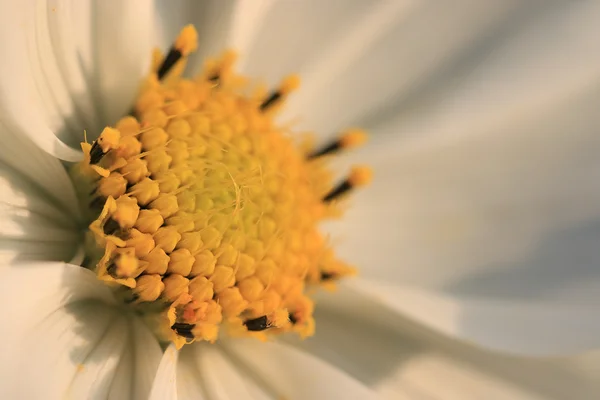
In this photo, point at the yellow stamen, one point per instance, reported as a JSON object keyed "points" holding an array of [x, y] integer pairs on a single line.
{"points": [[187, 41], [207, 211]]}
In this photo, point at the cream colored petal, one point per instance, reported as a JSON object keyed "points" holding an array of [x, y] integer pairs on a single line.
{"points": [[59, 319], [122, 41], [164, 386], [512, 326], [292, 373], [401, 358]]}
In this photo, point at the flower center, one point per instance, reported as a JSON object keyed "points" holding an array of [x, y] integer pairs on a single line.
{"points": [[203, 212]]}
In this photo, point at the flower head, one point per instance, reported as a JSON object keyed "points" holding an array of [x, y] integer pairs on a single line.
{"points": [[202, 212]]}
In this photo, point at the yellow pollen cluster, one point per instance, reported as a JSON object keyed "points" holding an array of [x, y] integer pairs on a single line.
{"points": [[204, 213]]}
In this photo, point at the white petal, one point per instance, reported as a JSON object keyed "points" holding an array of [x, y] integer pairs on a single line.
{"points": [[38, 208], [20, 153], [190, 384], [401, 358], [32, 225], [383, 347], [123, 40], [33, 98], [121, 387], [95, 375], [139, 362], [68, 25], [60, 318], [164, 386], [473, 377], [356, 57], [493, 208], [292, 373], [55, 316], [205, 368], [517, 327], [147, 357]]}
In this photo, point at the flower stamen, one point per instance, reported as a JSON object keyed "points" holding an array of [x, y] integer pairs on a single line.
{"points": [[350, 139], [288, 85], [359, 176], [186, 43], [203, 213]]}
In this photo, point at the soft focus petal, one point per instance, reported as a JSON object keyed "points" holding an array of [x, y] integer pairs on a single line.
{"points": [[33, 96], [38, 208], [495, 197], [519, 327], [404, 357], [292, 373], [370, 55], [493, 180], [164, 385], [205, 368], [61, 319], [123, 38], [68, 60]]}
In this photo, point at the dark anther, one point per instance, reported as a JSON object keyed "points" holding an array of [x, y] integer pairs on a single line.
{"points": [[257, 324], [96, 153], [292, 318], [339, 190], [183, 329], [270, 100], [330, 148], [172, 57], [327, 276], [111, 226]]}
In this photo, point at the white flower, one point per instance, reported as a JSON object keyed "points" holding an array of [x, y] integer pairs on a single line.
{"points": [[480, 224]]}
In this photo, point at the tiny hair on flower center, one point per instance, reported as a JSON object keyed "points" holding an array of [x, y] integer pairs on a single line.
{"points": [[204, 213]]}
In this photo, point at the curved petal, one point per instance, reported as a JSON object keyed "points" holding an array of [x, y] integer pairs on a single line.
{"points": [[165, 382], [33, 97], [205, 370], [122, 42], [356, 57], [190, 384], [292, 373], [518, 327], [138, 365], [35, 224], [400, 357], [67, 56], [60, 319], [489, 201]]}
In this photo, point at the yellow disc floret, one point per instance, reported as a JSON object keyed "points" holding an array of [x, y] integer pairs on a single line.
{"points": [[204, 212]]}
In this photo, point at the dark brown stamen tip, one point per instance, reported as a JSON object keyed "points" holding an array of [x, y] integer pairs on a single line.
{"points": [[292, 318], [330, 148], [327, 276], [96, 153], [339, 190], [257, 324], [272, 99], [111, 227], [183, 329], [170, 60]]}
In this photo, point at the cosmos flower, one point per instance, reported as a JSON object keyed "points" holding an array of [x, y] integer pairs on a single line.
{"points": [[478, 227]]}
